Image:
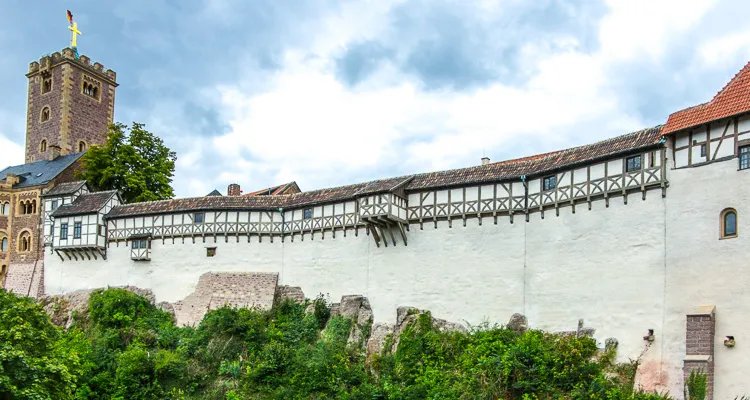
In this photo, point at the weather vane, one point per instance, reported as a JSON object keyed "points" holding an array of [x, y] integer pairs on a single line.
{"points": [[74, 31]]}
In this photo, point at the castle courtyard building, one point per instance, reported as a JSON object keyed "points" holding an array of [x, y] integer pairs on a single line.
{"points": [[642, 237]]}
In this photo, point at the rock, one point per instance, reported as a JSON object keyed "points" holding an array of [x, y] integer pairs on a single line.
{"points": [[350, 305], [61, 307], [379, 334], [518, 323], [166, 307], [403, 312], [445, 326]]}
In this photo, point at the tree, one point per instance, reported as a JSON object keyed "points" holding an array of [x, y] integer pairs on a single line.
{"points": [[136, 163], [33, 362]]}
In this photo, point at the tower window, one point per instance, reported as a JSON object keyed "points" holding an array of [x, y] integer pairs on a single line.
{"points": [[744, 157], [729, 223], [548, 183], [24, 242], [3, 243], [44, 117], [81, 146], [43, 146], [46, 85], [91, 90], [5, 208], [633, 163]]}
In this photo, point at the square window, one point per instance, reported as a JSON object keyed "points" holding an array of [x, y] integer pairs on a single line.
{"points": [[703, 150], [54, 205], [144, 244], [633, 163], [744, 157], [64, 231], [308, 213], [198, 218], [210, 251], [76, 230], [549, 183], [135, 244]]}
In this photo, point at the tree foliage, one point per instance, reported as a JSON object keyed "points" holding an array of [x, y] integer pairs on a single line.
{"points": [[134, 161], [126, 348]]}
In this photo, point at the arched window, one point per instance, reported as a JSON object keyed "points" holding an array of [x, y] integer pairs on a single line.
{"points": [[45, 114], [81, 146], [95, 92], [5, 208], [24, 242], [33, 206], [729, 223], [43, 146], [3, 242]]}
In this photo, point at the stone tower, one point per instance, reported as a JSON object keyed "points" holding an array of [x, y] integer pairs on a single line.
{"points": [[71, 104]]}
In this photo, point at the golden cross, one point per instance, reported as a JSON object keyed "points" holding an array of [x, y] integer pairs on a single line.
{"points": [[75, 31]]}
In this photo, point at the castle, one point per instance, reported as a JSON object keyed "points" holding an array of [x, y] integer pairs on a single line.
{"points": [[641, 236]]}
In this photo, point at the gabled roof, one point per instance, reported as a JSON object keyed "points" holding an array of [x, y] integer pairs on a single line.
{"points": [[214, 193], [287, 188], [65, 188], [504, 170], [40, 172], [85, 204], [731, 100]]}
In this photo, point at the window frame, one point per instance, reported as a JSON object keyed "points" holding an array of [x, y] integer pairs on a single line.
{"points": [[703, 150], [211, 251], [54, 205], [743, 154], [64, 228], [307, 213], [723, 226], [4, 244], [633, 159], [549, 183], [77, 229], [202, 218], [42, 114]]}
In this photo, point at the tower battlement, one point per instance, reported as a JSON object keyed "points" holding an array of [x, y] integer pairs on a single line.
{"points": [[69, 55]]}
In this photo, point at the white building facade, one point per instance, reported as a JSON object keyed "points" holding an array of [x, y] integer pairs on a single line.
{"points": [[643, 236]]}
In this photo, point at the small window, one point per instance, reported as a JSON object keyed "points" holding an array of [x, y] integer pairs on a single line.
{"points": [[744, 157], [24, 242], [81, 146], [76, 230], [4, 244], [139, 249], [703, 150], [5, 208], [101, 230], [308, 213], [652, 159], [633, 163], [198, 218], [91, 90], [549, 183], [64, 231], [47, 85], [210, 251], [54, 205], [729, 223], [135, 244], [44, 117], [43, 146]]}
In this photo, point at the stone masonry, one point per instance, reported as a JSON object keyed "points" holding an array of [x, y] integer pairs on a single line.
{"points": [[699, 345], [216, 289]]}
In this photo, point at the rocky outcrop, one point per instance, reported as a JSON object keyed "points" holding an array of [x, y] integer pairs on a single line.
{"points": [[61, 307], [293, 293]]}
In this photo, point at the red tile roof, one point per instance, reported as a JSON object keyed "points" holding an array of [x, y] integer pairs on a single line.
{"points": [[503, 170], [732, 100], [287, 188]]}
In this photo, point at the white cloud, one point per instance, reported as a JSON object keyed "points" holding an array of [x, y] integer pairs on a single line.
{"points": [[11, 153], [717, 51]]}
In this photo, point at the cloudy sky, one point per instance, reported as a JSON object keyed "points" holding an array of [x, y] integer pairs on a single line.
{"points": [[262, 92]]}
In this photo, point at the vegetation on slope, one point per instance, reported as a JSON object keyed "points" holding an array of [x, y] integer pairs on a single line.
{"points": [[125, 348]]}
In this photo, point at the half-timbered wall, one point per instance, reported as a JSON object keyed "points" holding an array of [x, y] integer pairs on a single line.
{"points": [[49, 209], [716, 141], [89, 236]]}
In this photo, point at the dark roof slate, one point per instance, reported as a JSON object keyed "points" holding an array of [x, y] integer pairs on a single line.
{"points": [[61, 189], [85, 204], [40, 172], [511, 169], [214, 193]]}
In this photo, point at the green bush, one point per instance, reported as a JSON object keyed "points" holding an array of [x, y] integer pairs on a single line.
{"points": [[125, 348]]}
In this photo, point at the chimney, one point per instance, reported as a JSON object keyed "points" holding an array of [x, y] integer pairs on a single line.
{"points": [[485, 160], [54, 152], [233, 190]]}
